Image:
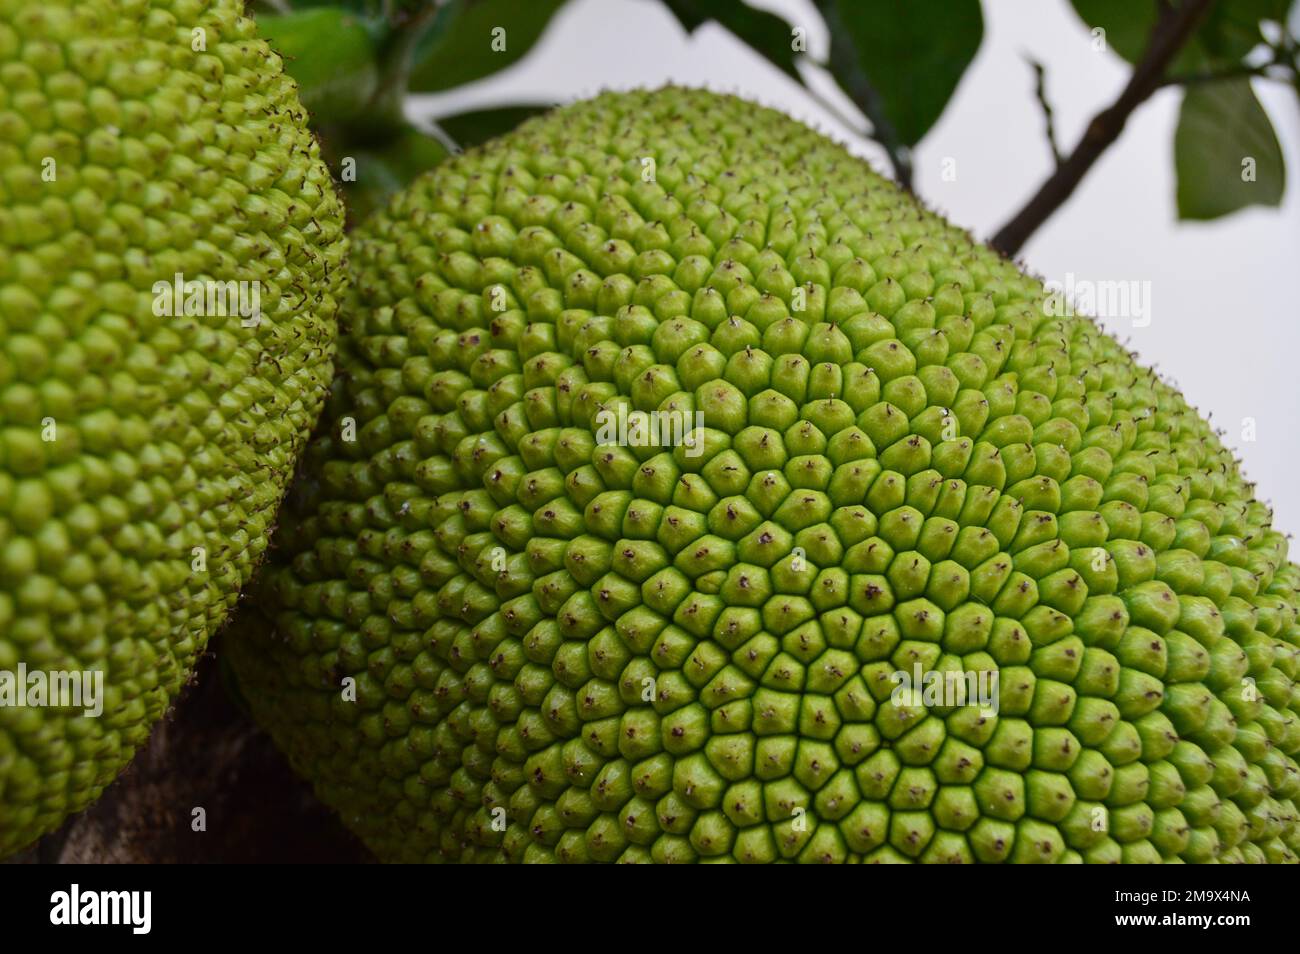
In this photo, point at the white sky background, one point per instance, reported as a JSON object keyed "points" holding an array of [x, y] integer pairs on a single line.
{"points": [[1225, 295]]}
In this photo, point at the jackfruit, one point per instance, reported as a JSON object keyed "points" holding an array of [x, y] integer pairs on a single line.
{"points": [[519, 617], [171, 260]]}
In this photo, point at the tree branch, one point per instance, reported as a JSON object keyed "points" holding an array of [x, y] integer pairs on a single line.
{"points": [[1040, 93], [1173, 28]]}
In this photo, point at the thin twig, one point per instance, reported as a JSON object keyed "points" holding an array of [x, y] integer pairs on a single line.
{"points": [[1279, 60], [1288, 52], [1211, 76], [1040, 93], [1171, 32], [837, 113]]}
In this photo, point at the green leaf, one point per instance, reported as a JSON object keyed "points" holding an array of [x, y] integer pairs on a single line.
{"points": [[767, 33], [472, 129], [1229, 32], [1127, 23], [911, 55], [459, 47], [330, 53], [1221, 126], [1232, 28]]}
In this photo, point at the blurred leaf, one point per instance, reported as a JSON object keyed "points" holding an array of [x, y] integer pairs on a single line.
{"points": [[912, 55], [767, 33], [1230, 30], [1127, 23], [330, 53], [368, 175], [1220, 125], [472, 129], [459, 46]]}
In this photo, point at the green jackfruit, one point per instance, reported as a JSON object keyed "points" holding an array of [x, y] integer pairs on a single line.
{"points": [[520, 619], [171, 258]]}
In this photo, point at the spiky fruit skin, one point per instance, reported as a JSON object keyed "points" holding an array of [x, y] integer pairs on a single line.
{"points": [[143, 451], [499, 639]]}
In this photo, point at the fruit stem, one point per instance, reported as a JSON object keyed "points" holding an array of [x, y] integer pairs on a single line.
{"points": [[383, 118]]}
